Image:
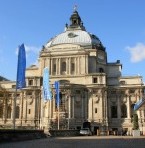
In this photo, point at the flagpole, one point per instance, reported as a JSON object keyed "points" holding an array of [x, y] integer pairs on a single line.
{"points": [[58, 118]]}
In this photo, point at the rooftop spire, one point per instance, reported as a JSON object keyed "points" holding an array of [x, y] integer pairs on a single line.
{"points": [[75, 21]]}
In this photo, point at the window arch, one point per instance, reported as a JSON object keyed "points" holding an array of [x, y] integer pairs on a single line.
{"points": [[17, 111], [9, 112], [123, 111]]}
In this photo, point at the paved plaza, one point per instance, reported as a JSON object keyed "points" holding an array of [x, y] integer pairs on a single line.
{"points": [[80, 142]]}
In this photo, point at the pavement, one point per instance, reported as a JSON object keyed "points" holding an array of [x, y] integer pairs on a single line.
{"points": [[80, 142]]}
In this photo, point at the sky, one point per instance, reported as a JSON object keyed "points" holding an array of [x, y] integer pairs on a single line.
{"points": [[119, 24]]}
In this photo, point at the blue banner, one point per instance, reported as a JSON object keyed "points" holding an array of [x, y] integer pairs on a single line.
{"points": [[46, 86], [21, 67], [57, 93], [139, 104]]}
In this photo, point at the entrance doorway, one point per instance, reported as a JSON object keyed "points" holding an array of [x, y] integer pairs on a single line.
{"points": [[96, 129]]}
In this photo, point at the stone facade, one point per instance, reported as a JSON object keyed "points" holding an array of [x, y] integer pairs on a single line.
{"points": [[92, 89]]}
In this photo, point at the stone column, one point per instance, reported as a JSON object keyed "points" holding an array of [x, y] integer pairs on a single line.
{"points": [[128, 107], [118, 107], [82, 100], [69, 67], [86, 62], [79, 66], [25, 106], [51, 67], [59, 66], [90, 105], [21, 107], [75, 66], [73, 106]]}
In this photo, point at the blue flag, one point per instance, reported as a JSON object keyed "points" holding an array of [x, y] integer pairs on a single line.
{"points": [[21, 67], [57, 93], [139, 104], [46, 86]]}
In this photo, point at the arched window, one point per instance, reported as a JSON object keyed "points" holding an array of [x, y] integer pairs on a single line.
{"points": [[17, 111], [1, 110], [123, 111], [9, 112], [101, 70]]}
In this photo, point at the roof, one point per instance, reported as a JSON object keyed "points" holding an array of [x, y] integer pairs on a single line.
{"points": [[3, 79], [79, 37]]}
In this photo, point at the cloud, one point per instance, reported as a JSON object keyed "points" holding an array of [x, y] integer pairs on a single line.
{"points": [[137, 52], [30, 50]]}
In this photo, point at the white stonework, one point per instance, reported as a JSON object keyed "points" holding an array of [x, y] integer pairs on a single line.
{"points": [[92, 89]]}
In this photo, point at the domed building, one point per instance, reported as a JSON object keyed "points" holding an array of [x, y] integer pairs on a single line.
{"points": [[91, 89]]}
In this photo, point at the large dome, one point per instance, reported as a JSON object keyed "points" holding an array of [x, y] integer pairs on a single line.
{"points": [[75, 33], [79, 37]]}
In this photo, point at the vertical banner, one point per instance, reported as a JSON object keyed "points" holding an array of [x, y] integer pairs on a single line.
{"points": [[57, 93], [46, 86], [21, 67], [20, 80]]}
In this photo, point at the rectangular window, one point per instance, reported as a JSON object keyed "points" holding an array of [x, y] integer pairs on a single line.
{"points": [[72, 67], [63, 66], [95, 110], [95, 80], [30, 82], [54, 67], [13, 86], [29, 111], [113, 111]]}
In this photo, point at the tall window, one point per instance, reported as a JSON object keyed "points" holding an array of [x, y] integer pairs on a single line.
{"points": [[72, 67], [63, 67], [17, 111], [113, 111], [123, 111], [9, 112], [54, 68]]}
